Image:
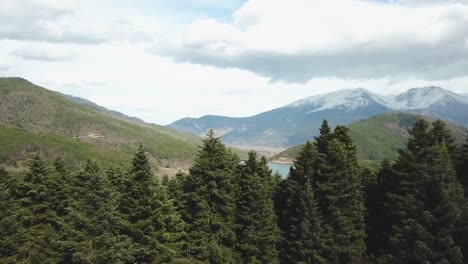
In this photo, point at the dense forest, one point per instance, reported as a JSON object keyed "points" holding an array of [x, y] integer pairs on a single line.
{"points": [[329, 209]]}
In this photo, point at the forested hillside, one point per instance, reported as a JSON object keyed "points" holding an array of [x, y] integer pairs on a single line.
{"points": [[32, 117], [380, 137], [328, 210]]}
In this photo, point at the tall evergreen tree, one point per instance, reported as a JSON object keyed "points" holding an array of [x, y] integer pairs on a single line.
{"points": [[420, 138], [461, 234], [422, 203], [378, 222], [322, 141], [440, 134], [257, 232], [8, 225], [303, 238], [94, 220], [428, 205], [462, 165], [38, 224], [156, 228], [211, 193], [339, 192]]}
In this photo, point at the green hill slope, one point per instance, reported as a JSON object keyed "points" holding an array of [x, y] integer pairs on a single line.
{"points": [[52, 123], [380, 137]]}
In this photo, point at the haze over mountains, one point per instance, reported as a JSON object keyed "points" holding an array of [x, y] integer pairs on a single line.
{"points": [[299, 121]]}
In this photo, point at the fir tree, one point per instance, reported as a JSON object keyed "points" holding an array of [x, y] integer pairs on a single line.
{"points": [[462, 166], [299, 220], [211, 193], [339, 192], [155, 225], [461, 234], [378, 222], [94, 220], [423, 203], [341, 201], [428, 205], [37, 222], [421, 138], [257, 233], [440, 134], [8, 225], [325, 137]]}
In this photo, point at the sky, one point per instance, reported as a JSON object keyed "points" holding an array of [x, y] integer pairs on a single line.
{"points": [[163, 60]]}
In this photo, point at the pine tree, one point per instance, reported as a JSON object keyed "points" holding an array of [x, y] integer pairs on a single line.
{"points": [[461, 234], [325, 137], [440, 134], [378, 222], [94, 220], [341, 202], [428, 205], [8, 225], [155, 226], [303, 238], [462, 166], [257, 233], [37, 222], [339, 193], [211, 193], [422, 203], [421, 138]]}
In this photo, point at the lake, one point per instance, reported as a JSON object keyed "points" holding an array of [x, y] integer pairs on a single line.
{"points": [[281, 168]]}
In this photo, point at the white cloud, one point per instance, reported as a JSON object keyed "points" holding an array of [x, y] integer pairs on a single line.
{"points": [[302, 39], [43, 52], [225, 68], [61, 21]]}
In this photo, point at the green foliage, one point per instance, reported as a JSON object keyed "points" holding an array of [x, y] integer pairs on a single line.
{"points": [[17, 144], [8, 225], [94, 222], [422, 202], [461, 236], [256, 229], [299, 220], [380, 137], [223, 211], [154, 226], [210, 203], [37, 227], [339, 193]]}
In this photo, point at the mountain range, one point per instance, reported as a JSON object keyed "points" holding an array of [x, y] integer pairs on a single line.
{"points": [[34, 119], [299, 121]]}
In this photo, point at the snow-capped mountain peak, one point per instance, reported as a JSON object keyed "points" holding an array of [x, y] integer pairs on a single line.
{"points": [[348, 99], [420, 98], [353, 99]]}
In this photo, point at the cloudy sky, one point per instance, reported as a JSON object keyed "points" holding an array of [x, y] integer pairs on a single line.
{"points": [[162, 60]]}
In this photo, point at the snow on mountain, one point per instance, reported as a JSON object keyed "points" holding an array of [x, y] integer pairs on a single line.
{"points": [[353, 99], [424, 97], [350, 99]]}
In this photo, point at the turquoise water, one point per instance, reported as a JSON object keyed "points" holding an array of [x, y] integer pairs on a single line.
{"points": [[283, 169]]}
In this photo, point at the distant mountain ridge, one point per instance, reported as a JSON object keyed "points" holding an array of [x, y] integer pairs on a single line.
{"points": [[104, 110], [298, 121]]}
